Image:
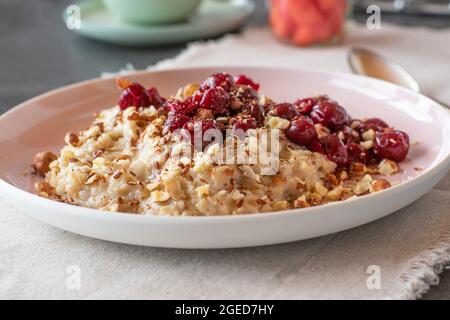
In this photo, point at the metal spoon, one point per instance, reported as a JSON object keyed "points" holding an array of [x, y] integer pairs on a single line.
{"points": [[365, 62]]}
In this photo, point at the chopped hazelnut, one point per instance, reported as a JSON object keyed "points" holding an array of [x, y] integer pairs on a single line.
{"points": [[368, 144], [368, 135], [358, 168], [98, 153], [72, 139], [315, 198], [91, 179], [355, 124], [379, 184], [190, 89], [320, 189], [363, 186], [41, 162], [334, 194], [301, 202], [204, 114], [43, 187], [322, 130], [280, 205], [388, 167], [278, 123], [134, 116], [343, 175]]}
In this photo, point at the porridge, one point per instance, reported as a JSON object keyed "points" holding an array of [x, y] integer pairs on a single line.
{"points": [[151, 155]]}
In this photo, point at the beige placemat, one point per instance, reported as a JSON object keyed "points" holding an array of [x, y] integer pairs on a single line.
{"points": [[399, 256]]}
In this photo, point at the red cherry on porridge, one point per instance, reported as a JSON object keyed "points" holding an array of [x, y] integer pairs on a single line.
{"points": [[246, 81], [244, 124], [254, 111], [155, 98], [356, 153], [217, 100], [134, 95], [176, 121], [391, 145], [306, 105], [196, 96], [223, 80], [405, 136], [126, 100], [284, 110], [315, 146], [329, 114], [198, 128], [301, 132], [335, 149], [348, 135], [375, 124], [186, 107]]}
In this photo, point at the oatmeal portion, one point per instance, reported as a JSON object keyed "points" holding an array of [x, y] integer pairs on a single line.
{"points": [[150, 155]]}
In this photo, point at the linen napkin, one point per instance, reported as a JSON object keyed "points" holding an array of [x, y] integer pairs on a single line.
{"points": [[397, 257]]}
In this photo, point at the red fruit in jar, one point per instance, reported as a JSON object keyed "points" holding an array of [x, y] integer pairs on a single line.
{"points": [[375, 124], [306, 105], [284, 110], [176, 121], [186, 107], [246, 81], [134, 95], [203, 130], [244, 125], [391, 145], [329, 114], [301, 132], [335, 149], [217, 100], [155, 98], [224, 80], [356, 153], [305, 22]]}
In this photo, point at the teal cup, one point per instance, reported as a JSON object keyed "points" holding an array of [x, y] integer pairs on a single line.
{"points": [[151, 11]]}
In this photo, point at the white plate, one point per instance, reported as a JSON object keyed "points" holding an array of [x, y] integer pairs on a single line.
{"points": [[40, 124]]}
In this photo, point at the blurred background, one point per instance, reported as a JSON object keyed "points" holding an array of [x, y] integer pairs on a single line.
{"points": [[39, 53]]}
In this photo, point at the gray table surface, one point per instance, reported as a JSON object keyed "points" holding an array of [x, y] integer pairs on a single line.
{"points": [[38, 53]]}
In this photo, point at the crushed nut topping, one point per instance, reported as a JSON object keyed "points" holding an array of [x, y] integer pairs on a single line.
{"points": [[41, 162], [72, 139]]}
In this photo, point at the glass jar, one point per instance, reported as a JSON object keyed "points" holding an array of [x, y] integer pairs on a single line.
{"points": [[308, 22]]}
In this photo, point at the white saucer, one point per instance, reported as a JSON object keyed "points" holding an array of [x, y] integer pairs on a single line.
{"points": [[213, 18]]}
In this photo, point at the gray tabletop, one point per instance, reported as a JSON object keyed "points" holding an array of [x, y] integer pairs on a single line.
{"points": [[38, 53]]}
